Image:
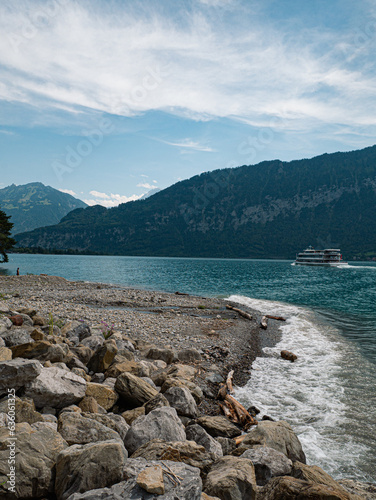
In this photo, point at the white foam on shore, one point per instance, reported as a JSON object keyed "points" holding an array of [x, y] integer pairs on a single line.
{"points": [[324, 395]]}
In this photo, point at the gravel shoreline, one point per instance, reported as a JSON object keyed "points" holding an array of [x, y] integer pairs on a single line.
{"points": [[179, 321], [146, 396]]}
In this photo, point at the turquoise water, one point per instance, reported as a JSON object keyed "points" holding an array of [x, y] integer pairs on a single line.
{"points": [[328, 395]]}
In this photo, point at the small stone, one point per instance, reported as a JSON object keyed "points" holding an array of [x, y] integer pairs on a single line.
{"points": [[88, 404], [17, 320], [290, 356], [37, 334], [5, 354], [39, 321], [104, 396], [131, 415], [151, 480]]}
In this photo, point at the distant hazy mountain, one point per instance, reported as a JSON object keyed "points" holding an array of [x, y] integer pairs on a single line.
{"points": [[272, 209], [152, 192], [35, 205]]}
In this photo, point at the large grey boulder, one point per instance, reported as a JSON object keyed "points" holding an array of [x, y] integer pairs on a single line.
{"points": [[182, 400], [315, 474], [364, 490], [157, 402], [104, 395], [76, 429], [277, 435], [231, 478], [18, 372], [81, 468], [41, 350], [103, 357], [290, 488], [189, 355], [83, 353], [24, 410], [82, 331], [122, 343], [15, 337], [228, 445], [198, 434], [188, 487], [166, 355], [188, 452], [112, 421], [94, 342], [133, 390], [37, 450], [162, 423], [5, 323], [219, 426], [56, 387], [268, 463]]}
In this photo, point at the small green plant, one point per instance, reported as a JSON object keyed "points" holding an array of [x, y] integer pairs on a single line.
{"points": [[107, 330], [201, 307], [3, 297], [50, 323]]}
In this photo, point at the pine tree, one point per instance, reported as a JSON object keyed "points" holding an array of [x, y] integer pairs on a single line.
{"points": [[6, 242]]}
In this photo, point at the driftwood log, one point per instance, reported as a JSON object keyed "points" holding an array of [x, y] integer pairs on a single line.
{"points": [[278, 318], [239, 311], [231, 408]]}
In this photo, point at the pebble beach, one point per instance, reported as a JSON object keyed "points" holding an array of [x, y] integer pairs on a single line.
{"points": [[116, 393]]}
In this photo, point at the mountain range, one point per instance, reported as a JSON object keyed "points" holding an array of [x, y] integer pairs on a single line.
{"points": [[269, 210], [36, 205]]}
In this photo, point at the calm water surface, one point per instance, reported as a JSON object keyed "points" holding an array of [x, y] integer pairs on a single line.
{"points": [[329, 394]]}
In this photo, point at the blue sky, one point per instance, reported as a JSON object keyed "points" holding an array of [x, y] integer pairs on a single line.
{"points": [[107, 99]]}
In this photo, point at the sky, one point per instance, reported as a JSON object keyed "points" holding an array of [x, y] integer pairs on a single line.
{"points": [[108, 99]]}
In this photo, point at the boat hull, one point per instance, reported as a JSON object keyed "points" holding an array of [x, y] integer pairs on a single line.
{"points": [[321, 264]]}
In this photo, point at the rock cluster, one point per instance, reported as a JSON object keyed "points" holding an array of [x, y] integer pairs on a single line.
{"points": [[108, 417]]}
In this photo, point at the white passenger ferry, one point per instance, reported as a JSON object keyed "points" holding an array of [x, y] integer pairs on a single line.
{"points": [[330, 257]]}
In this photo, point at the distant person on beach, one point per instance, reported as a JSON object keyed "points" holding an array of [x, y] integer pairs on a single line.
{"points": [[18, 271]]}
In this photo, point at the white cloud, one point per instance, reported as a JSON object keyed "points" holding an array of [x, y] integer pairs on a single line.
{"points": [[145, 185], [68, 191], [110, 200], [189, 144], [97, 194], [64, 55]]}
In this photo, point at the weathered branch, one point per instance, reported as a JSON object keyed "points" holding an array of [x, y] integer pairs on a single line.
{"points": [[278, 318], [229, 385], [240, 312], [231, 408]]}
